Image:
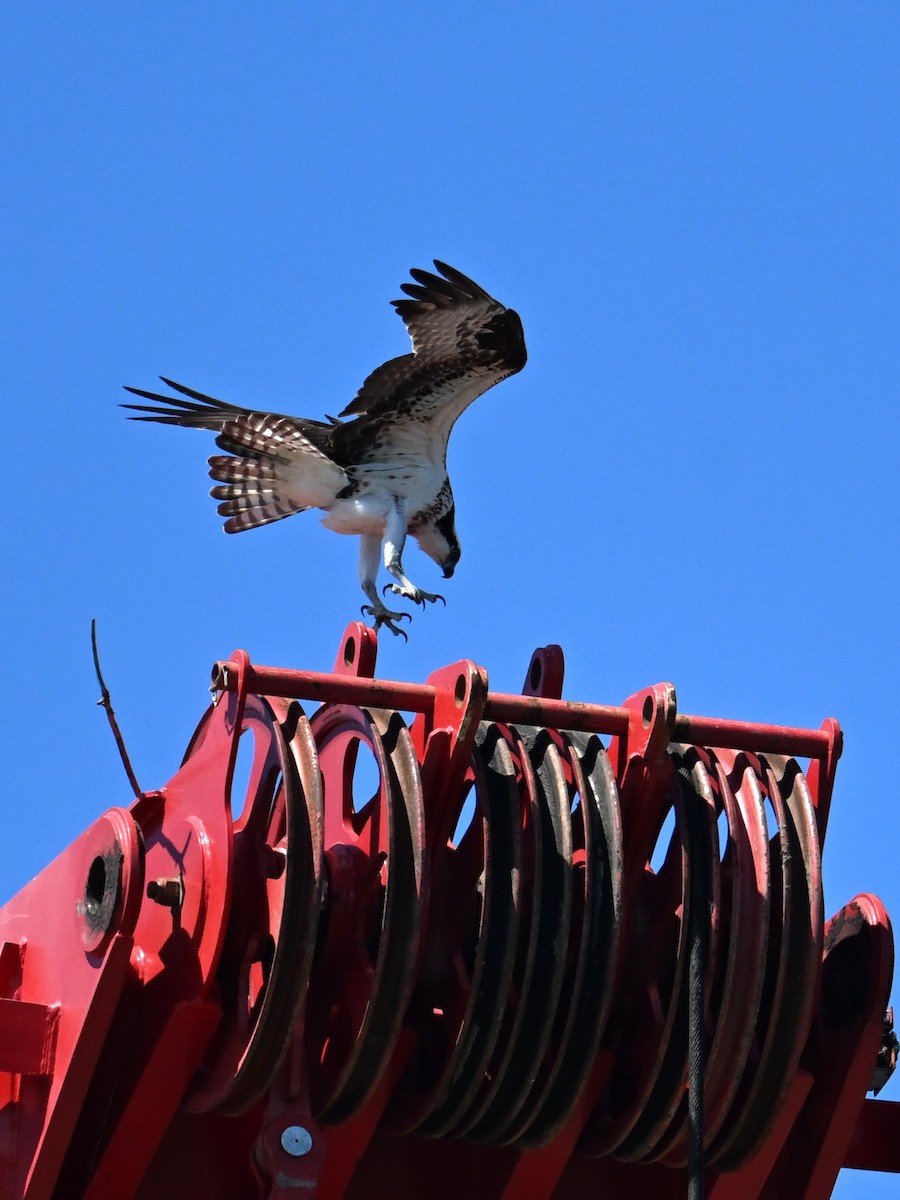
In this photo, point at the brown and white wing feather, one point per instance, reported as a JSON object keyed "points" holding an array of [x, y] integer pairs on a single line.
{"points": [[464, 342], [250, 492], [443, 316], [281, 464]]}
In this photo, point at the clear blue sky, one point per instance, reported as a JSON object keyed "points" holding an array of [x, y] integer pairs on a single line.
{"points": [[695, 210]]}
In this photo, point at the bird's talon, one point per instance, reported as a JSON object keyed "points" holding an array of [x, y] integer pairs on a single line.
{"points": [[408, 593], [384, 616], [415, 594], [387, 619]]}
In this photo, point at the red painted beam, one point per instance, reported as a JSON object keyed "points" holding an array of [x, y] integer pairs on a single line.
{"points": [[323, 688], [747, 735], [27, 1037], [875, 1145]]}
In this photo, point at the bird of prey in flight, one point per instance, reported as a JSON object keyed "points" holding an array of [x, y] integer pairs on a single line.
{"points": [[378, 470]]}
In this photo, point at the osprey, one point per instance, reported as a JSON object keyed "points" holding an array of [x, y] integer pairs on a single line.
{"points": [[378, 470]]}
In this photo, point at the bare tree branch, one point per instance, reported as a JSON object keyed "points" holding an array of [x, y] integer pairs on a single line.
{"points": [[106, 702]]}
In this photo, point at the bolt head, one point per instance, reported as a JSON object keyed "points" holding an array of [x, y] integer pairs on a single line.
{"points": [[168, 892]]}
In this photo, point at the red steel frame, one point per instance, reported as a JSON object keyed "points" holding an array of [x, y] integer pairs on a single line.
{"points": [[109, 997]]}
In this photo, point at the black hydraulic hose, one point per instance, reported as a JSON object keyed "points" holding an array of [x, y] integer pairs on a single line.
{"points": [[698, 850]]}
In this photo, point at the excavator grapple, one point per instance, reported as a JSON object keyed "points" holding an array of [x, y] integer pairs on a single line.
{"points": [[382, 939]]}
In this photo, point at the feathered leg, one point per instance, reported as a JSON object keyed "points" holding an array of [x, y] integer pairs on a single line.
{"points": [[369, 562], [394, 541]]}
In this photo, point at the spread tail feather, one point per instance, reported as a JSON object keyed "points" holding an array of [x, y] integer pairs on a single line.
{"points": [[248, 491], [282, 465]]}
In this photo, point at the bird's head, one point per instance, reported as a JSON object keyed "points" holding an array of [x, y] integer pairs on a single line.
{"points": [[439, 541]]}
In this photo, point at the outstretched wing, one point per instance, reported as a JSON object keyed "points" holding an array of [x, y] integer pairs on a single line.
{"points": [[464, 342], [275, 465], [445, 316]]}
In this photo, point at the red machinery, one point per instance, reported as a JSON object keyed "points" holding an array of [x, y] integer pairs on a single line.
{"points": [[468, 981]]}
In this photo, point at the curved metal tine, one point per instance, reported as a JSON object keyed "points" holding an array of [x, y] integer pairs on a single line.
{"points": [[359, 992], [742, 767], [796, 951], [253, 816], [502, 883], [668, 1091], [294, 897], [263, 972], [554, 922], [598, 856], [509, 1074], [453, 962], [654, 976], [740, 965]]}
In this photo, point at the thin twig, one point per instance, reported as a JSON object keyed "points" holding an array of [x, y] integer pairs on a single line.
{"points": [[106, 702]]}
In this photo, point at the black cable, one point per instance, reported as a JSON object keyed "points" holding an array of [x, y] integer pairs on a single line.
{"points": [[698, 918]]}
